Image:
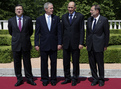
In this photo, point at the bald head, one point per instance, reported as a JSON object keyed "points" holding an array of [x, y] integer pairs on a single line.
{"points": [[72, 3], [71, 7]]}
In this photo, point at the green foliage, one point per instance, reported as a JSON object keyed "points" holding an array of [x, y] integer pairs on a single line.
{"points": [[34, 53], [4, 32], [115, 39], [115, 31], [5, 54], [34, 8], [112, 55], [5, 40], [83, 6]]}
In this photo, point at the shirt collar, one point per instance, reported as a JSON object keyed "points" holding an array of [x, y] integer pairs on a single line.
{"points": [[47, 15], [72, 14], [19, 17], [97, 17]]}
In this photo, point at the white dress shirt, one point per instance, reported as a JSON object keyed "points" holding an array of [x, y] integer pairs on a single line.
{"points": [[17, 18], [97, 18], [72, 15], [46, 17]]}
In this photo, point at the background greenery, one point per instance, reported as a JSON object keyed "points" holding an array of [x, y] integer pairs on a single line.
{"points": [[34, 8], [112, 55]]}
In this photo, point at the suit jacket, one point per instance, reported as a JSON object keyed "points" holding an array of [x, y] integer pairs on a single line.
{"points": [[48, 39], [73, 34], [20, 39], [99, 37]]}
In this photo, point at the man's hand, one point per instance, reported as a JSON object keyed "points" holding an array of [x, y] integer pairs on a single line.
{"points": [[59, 47], [37, 48], [80, 46], [105, 48]]}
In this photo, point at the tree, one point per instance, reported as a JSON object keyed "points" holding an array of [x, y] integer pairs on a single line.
{"points": [[34, 8]]}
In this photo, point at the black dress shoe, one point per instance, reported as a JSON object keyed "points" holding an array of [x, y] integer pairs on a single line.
{"points": [[94, 83], [74, 83], [19, 82], [45, 83], [66, 81], [101, 83], [53, 83], [30, 81]]}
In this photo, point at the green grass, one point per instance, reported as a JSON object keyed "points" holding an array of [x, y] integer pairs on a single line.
{"points": [[114, 47]]}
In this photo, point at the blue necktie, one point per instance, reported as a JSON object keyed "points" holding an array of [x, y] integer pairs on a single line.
{"points": [[70, 20], [49, 24], [94, 24]]}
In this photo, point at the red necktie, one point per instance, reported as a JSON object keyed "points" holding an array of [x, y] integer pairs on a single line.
{"points": [[20, 24]]}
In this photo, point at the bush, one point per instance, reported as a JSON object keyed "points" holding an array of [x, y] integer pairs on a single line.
{"points": [[34, 53], [112, 55], [5, 54], [4, 32], [5, 40], [115, 31], [115, 39]]}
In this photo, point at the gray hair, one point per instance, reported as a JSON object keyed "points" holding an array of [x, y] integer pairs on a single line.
{"points": [[46, 4]]}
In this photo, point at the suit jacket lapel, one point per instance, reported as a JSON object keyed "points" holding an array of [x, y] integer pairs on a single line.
{"points": [[24, 21], [90, 23], [67, 18], [44, 22], [52, 22], [15, 22]]}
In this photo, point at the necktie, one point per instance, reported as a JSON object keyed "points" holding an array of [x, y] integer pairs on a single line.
{"points": [[48, 23], [20, 24], [94, 24], [70, 18]]}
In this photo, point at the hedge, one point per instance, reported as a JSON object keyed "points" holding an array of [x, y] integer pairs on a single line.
{"points": [[115, 39], [115, 31], [112, 55], [5, 40], [5, 54], [4, 32]]}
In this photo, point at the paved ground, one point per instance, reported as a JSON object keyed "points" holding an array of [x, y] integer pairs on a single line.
{"points": [[111, 70], [36, 64]]}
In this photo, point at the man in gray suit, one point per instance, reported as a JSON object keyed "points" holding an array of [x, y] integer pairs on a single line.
{"points": [[97, 38], [73, 38]]}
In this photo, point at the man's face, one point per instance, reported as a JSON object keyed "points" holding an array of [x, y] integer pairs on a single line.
{"points": [[94, 13], [19, 11], [71, 7], [49, 10]]}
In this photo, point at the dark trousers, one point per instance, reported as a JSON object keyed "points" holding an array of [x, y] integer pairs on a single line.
{"points": [[18, 66], [96, 59], [44, 65], [66, 62]]}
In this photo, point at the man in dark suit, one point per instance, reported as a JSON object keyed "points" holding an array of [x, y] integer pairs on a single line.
{"points": [[48, 33], [21, 28], [73, 38], [97, 38]]}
